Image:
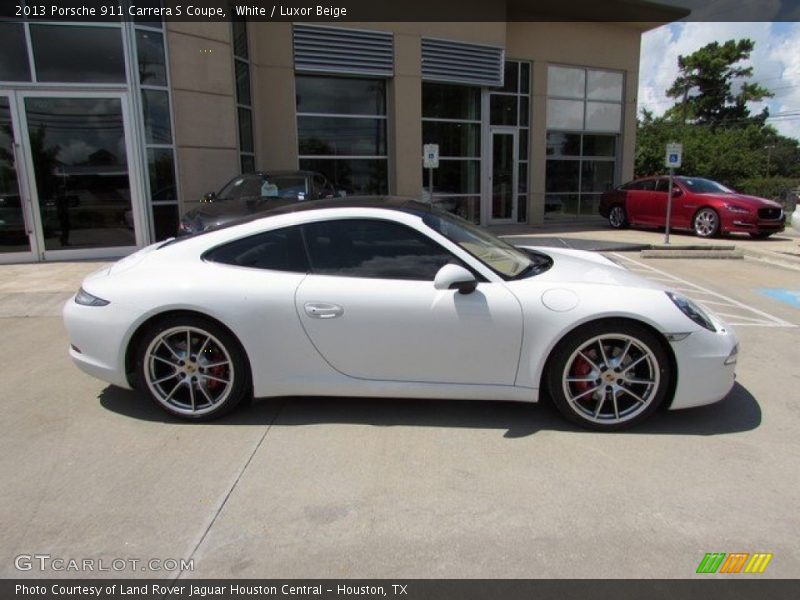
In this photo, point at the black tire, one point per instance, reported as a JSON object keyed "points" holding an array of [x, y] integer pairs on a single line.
{"points": [[196, 395], [618, 217], [706, 223], [761, 235], [611, 406]]}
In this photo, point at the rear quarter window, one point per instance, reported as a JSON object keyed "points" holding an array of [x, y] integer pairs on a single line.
{"points": [[277, 250]]}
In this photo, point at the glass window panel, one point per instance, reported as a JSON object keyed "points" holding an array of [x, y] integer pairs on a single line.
{"points": [[455, 177], [277, 250], [525, 78], [248, 163], [522, 179], [603, 116], [14, 52], [341, 136], [78, 54], [566, 81], [562, 175], [149, 21], [150, 54], [561, 204], [524, 111], [466, 207], [354, 176], [523, 144], [243, 82], [564, 114], [240, 38], [451, 101], [340, 95], [604, 85], [522, 209], [511, 76], [563, 144], [454, 139], [155, 105], [161, 168], [13, 236], [245, 130], [599, 145], [597, 176], [589, 204], [165, 221], [503, 110]]}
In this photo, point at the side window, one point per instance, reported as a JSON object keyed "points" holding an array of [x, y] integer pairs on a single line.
{"points": [[648, 185], [662, 185], [278, 250], [373, 248]]}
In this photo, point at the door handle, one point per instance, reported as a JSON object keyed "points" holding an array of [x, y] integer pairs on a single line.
{"points": [[323, 310]]}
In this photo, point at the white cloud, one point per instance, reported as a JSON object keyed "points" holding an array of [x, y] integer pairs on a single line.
{"points": [[775, 61]]}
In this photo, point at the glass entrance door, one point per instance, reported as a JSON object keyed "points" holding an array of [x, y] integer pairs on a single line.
{"points": [[77, 151], [16, 228], [503, 179]]}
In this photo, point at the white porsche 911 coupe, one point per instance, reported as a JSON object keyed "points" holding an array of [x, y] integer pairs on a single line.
{"points": [[387, 297]]}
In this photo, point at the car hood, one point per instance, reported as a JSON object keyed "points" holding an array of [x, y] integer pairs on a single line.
{"points": [[752, 201], [580, 266]]}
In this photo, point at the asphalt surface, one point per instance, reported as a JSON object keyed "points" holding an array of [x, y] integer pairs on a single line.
{"points": [[325, 487]]}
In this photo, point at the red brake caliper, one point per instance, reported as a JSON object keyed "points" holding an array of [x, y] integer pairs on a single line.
{"points": [[218, 371], [581, 368]]}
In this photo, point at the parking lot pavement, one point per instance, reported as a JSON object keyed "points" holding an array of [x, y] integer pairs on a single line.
{"points": [[325, 487]]}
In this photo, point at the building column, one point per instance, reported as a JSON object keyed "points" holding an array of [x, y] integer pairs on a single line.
{"points": [[405, 117]]}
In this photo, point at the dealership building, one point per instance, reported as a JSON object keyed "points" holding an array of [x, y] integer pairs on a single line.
{"points": [[110, 131]]}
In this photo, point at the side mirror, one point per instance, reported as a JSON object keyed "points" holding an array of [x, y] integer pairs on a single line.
{"points": [[210, 197], [453, 277], [676, 191]]}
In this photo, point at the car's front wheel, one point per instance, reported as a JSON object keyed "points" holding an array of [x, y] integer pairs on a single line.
{"points": [[193, 368], [609, 375], [617, 217], [706, 223]]}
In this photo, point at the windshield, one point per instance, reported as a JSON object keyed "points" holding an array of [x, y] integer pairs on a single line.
{"points": [[264, 187], [699, 185], [502, 258]]}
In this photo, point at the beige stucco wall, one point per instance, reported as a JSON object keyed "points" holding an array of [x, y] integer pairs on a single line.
{"points": [[604, 45], [201, 72]]}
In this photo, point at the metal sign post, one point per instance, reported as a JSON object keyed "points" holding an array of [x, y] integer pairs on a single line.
{"points": [[430, 160], [673, 161]]}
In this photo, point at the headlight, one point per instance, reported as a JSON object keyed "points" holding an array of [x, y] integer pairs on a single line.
{"points": [[736, 209], [84, 298], [691, 310]]}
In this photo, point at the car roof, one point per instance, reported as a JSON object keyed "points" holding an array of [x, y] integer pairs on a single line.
{"points": [[282, 173], [400, 203]]}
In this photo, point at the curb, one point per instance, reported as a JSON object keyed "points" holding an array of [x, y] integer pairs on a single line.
{"points": [[694, 253]]}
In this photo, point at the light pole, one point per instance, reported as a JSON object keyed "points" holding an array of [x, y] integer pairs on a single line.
{"points": [[768, 148]]}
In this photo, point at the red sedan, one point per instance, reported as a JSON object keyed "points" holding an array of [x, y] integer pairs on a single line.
{"points": [[707, 207]]}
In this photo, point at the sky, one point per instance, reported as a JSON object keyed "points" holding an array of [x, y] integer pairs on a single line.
{"points": [[775, 61]]}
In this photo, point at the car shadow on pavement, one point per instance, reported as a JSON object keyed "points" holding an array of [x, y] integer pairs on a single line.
{"points": [[736, 413]]}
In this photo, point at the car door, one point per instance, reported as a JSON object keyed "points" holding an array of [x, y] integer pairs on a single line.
{"points": [[637, 199], [658, 205], [370, 308]]}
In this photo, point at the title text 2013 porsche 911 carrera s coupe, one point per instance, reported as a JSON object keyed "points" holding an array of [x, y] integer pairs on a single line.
{"points": [[387, 297]]}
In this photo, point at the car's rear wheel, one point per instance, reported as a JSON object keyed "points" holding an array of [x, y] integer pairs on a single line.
{"points": [[617, 217], [761, 235], [193, 368], [706, 222], [609, 375]]}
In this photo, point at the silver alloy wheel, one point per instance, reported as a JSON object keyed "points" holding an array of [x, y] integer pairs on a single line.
{"points": [[706, 222], [611, 378], [617, 216], [188, 370]]}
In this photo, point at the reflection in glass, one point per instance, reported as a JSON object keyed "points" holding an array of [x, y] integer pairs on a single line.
{"points": [[563, 144], [502, 175], [155, 105], [78, 54], [245, 130], [597, 175], [161, 166], [600, 145], [455, 177], [242, 82], [454, 139], [562, 175], [561, 204], [566, 82], [523, 144], [444, 101], [14, 52], [564, 114], [503, 110], [603, 116], [341, 136], [524, 111], [13, 233], [604, 85], [81, 171], [340, 95], [240, 38], [165, 221], [522, 179], [466, 207], [511, 76], [354, 176], [150, 55], [525, 78]]}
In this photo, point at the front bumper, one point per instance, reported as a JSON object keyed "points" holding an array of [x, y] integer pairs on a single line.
{"points": [[754, 225], [703, 376]]}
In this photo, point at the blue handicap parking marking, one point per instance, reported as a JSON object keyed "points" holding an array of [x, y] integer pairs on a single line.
{"points": [[790, 297]]}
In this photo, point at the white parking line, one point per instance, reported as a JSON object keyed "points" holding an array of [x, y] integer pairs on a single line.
{"points": [[752, 316]]}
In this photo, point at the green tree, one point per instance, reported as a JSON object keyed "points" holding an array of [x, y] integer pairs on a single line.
{"points": [[704, 87]]}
